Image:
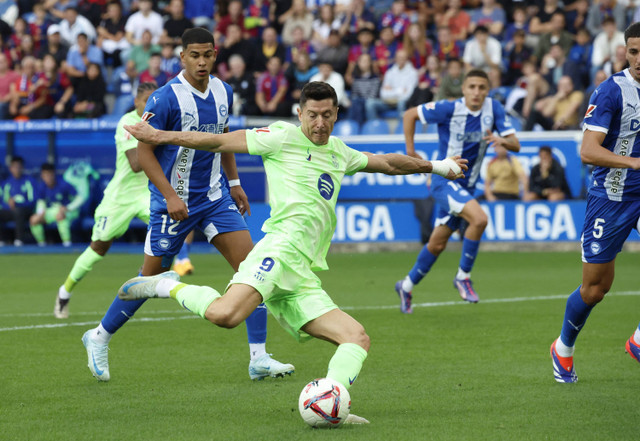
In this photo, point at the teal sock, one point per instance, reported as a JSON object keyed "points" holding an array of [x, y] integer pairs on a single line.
{"points": [[194, 298], [346, 363]]}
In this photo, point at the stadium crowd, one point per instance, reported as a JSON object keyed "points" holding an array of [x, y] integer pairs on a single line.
{"points": [[84, 58]]}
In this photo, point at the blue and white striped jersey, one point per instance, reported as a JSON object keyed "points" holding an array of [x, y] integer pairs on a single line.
{"points": [[178, 106], [614, 109], [461, 131]]}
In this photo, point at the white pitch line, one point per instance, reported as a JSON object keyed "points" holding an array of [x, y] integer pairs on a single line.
{"points": [[346, 308]]}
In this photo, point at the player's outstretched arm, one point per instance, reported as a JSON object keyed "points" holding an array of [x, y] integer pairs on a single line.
{"points": [[592, 152], [395, 164], [234, 142]]}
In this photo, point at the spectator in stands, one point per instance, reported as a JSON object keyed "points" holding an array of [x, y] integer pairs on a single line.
{"points": [[57, 201], [491, 16], [170, 63], [547, 180], [200, 13], [428, 82], [268, 48], [59, 89], [541, 22], [20, 33], [558, 111], [145, 20], [497, 91], [299, 73], [7, 77], [271, 90], [299, 45], [38, 24], [483, 51], [325, 22], [457, 20], [576, 15], [365, 45], [365, 86], [54, 46], [90, 94], [385, 50], [124, 86], [618, 63], [279, 13], [554, 65], [80, 56], [236, 44], [57, 8], [300, 16], [326, 74], [505, 178], [336, 54], [397, 86], [557, 36], [605, 43], [516, 57], [74, 25], [603, 9], [257, 17], [397, 19], [528, 89], [111, 35], [451, 83], [18, 200], [446, 47], [25, 49], [243, 85], [28, 99], [141, 53], [154, 74], [417, 46], [520, 22], [176, 24], [234, 16], [356, 17], [579, 59], [8, 12], [379, 7]]}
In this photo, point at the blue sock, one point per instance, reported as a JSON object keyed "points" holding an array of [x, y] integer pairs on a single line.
{"points": [[257, 325], [469, 253], [575, 316], [119, 313], [422, 266], [184, 252]]}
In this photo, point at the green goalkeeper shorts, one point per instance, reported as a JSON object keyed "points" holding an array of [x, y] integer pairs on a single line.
{"points": [[283, 276], [112, 219]]}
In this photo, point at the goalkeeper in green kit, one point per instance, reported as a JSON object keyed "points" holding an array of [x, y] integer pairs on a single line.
{"points": [[304, 167], [126, 197]]}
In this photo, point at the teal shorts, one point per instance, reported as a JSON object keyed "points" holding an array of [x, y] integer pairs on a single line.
{"points": [[51, 214], [112, 219], [282, 275]]}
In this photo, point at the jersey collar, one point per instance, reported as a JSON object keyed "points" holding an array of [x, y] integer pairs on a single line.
{"points": [[192, 89], [627, 74], [474, 113]]}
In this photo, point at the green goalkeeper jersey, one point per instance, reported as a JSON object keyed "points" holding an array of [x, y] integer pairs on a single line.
{"points": [[304, 182], [126, 185]]}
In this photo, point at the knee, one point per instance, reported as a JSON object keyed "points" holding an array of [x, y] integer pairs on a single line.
{"points": [[480, 221], [436, 247], [222, 317], [594, 293], [360, 338]]}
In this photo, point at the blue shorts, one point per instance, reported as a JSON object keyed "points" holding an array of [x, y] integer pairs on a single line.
{"points": [[451, 198], [166, 236], [607, 225]]}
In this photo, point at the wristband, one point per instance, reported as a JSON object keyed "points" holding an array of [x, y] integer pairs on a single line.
{"points": [[234, 182]]}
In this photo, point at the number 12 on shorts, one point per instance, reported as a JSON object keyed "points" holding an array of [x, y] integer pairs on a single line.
{"points": [[172, 225]]}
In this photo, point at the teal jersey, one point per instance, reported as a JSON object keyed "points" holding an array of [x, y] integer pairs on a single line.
{"points": [[304, 182], [126, 184]]}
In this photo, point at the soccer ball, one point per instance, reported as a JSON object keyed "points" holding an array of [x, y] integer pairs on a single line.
{"points": [[324, 403]]}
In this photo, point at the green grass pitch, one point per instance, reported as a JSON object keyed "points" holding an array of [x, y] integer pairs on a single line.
{"points": [[450, 371]]}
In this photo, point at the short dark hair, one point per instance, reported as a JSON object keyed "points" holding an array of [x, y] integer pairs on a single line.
{"points": [[476, 73], [19, 159], [633, 31], [608, 20], [546, 148], [481, 29], [47, 166], [318, 91], [197, 36], [146, 87]]}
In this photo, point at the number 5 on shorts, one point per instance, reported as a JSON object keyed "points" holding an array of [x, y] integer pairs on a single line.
{"points": [[598, 228]]}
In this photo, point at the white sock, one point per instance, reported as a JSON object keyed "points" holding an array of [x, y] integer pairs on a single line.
{"points": [[564, 350], [636, 336], [256, 350], [463, 274], [63, 293], [407, 284], [164, 287], [100, 335]]}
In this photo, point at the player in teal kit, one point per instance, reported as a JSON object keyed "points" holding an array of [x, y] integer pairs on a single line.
{"points": [[304, 167], [126, 197]]}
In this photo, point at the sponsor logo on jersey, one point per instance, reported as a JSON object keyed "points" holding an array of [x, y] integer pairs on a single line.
{"points": [[334, 161], [146, 116], [590, 110], [325, 186], [430, 106]]}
